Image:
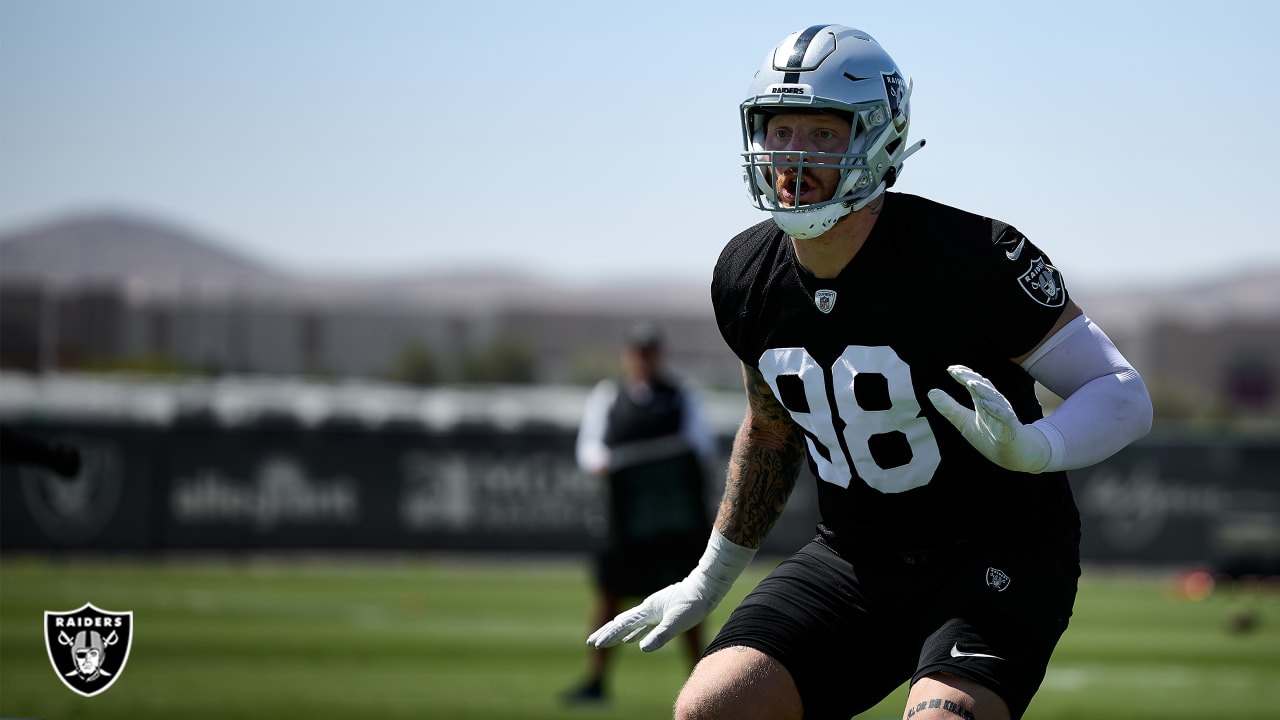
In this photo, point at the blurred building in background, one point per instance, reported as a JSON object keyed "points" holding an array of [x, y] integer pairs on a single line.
{"points": [[100, 327]]}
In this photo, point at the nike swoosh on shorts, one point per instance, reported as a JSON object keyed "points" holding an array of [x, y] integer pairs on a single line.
{"points": [[956, 652]]}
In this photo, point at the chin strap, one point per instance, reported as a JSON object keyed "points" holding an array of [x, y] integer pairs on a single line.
{"points": [[858, 205], [805, 224]]}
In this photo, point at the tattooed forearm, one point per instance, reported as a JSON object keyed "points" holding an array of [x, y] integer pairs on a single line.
{"points": [[767, 453], [759, 483]]}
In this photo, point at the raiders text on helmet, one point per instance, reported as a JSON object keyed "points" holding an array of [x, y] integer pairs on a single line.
{"points": [[842, 70]]}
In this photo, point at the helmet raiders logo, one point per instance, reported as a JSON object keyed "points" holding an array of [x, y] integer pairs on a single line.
{"points": [[997, 579], [1043, 283], [896, 89], [88, 647], [790, 90], [825, 300]]}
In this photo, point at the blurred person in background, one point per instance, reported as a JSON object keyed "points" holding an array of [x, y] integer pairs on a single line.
{"points": [[646, 437], [894, 343]]}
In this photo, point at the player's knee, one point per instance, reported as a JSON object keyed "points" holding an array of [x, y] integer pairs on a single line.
{"points": [[738, 684], [703, 703], [703, 696], [691, 706]]}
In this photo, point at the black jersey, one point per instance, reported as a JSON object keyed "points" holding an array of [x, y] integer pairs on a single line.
{"points": [[852, 358]]}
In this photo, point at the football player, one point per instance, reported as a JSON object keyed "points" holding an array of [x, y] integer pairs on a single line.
{"points": [[893, 343]]}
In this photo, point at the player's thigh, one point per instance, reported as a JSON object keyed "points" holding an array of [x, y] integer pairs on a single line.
{"points": [[942, 696], [739, 683]]}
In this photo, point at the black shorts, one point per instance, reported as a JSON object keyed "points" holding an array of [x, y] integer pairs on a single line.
{"points": [[850, 631], [637, 569]]}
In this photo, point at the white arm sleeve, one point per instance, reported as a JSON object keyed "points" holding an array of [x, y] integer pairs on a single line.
{"points": [[591, 452], [1105, 403]]}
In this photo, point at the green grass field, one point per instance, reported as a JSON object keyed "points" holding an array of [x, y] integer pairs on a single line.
{"points": [[466, 638]]}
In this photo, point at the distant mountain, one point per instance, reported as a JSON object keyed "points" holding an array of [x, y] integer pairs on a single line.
{"points": [[164, 259], [118, 247]]}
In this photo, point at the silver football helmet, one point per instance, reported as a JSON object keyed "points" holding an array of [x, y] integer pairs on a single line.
{"points": [[840, 70]]}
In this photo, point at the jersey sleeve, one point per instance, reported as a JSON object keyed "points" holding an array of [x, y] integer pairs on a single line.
{"points": [[1025, 291], [736, 287]]}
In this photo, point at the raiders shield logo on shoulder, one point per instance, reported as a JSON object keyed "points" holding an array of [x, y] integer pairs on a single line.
{"points": [[825, 300], [1043, 283], [88, 647], [997, 579]]}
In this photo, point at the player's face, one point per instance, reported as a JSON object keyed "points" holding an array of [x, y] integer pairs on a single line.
{"points": [[807, 132]]}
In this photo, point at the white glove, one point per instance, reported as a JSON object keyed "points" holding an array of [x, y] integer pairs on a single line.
{"points": [[992, 426], [678, 607]]}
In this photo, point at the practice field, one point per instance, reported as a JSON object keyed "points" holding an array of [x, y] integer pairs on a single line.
{"points": [[464, 638]]}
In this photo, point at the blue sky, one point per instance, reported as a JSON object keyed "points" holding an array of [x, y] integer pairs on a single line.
{"points": [[1134, 141]]}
